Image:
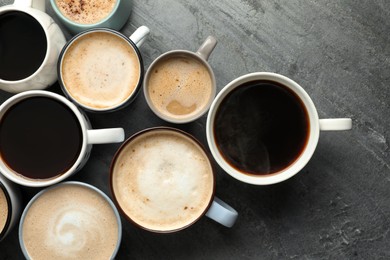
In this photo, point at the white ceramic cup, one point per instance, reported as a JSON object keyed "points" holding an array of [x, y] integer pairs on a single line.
{"points": [[201, 56], [64, 231], [46, 74], [89, 137], [134, 41], [315, 124], [216, 210], [13, 201]]}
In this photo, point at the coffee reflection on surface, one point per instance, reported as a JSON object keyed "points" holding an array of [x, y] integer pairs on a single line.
{"points": [[22, 45], [40, 138], [261, 127]]}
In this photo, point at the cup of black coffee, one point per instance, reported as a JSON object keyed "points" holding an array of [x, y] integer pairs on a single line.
{"points": [[263, 128], [29, 47], [45, 138]]}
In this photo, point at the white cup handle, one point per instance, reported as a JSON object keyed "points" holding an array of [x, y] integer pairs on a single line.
{"points": [[335, 124], [207, 47], [36, 4], [139, 36], [105, 136], [222, 213]]}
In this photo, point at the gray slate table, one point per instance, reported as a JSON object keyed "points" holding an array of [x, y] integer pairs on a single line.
{"points": [[338, 206]]}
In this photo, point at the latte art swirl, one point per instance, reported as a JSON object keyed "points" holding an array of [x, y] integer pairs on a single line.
{"points": [[70, 222], [74, 229]]}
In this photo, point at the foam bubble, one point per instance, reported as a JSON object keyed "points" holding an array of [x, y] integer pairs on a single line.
{"points": [[163, 181]]}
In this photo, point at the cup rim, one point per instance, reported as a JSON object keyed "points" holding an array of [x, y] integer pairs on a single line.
{"points": [[156, 129], [125, 102], [10, 8], [305, 155], [177, 53], [9, 173], [82, 25], [7, 224], [76, 183]]}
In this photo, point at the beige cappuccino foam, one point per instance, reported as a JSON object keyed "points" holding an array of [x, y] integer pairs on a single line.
{"points": [[179, 86], [163, 181], [86, 11], [70, 222], [3, 210], [100, 70]]}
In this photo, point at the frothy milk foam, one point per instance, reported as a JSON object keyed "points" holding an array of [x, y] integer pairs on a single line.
{"points": [[100, 70], [70, 221], [3, 209], [163, 181], [179, 86], [86, 11]]}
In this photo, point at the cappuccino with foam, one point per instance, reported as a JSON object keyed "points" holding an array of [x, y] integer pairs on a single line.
{"points": [[3, 210], [86, 11], [162, 180], [100, 70], [179, 86], [70, 221]]}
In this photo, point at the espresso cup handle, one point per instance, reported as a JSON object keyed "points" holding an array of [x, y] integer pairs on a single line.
{"points": [[105, 136], [36, 4], [207, 47], [222, 213], [335, 124], [139, 36]]}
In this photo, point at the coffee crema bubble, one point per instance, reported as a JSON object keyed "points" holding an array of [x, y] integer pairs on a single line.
{"points": [[100, 70], [86, 11], [70, 221], [3, 210], [179, 86], [162, 180]]}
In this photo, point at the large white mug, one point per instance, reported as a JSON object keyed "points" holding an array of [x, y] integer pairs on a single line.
{"points": [[40, 152], [240, 146], [30, 45]]}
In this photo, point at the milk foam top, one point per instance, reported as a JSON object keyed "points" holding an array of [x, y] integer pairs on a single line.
{"points": [[3, 209], [162, 180], [179, 86], [100, 70], [70, 221], [86, 11]]}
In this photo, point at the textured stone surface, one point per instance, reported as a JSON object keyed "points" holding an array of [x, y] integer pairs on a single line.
{"points": [[338, 206]]}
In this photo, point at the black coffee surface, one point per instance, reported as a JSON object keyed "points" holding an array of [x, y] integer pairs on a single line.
{"points": [[40, 138], [261, 127], [22, 45]]}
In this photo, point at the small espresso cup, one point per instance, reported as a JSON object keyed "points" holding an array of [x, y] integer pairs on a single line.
{"points": [[179, 85], [10, 206], [80, 15], [31, 43], [71, 220], [101, 70], [163, 181], [45, 138], [263, 128]]}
